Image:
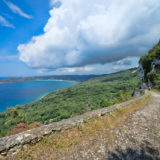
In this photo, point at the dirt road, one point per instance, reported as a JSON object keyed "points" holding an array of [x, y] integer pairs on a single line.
{"points": [[137, 139]]}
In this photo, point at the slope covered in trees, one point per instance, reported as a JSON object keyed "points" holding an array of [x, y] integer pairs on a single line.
{"points": [[89, 95]]}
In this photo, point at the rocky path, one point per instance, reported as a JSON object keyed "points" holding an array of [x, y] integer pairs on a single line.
{"points": [[136, 139]]}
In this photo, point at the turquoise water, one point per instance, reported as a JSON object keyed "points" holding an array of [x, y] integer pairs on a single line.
{"points": [[2, 78], [26, 92]]}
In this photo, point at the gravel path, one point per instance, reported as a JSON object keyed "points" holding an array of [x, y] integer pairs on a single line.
{"points": [[137, 139]]}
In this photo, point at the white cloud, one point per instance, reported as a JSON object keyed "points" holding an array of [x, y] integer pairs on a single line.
{"points": [[54, 3], [80, 33], [126, 63], [75, 69], [62, 71], [5, 23], [98, 69], [16, 9]]}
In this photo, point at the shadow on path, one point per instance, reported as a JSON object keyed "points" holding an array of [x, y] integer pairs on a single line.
{"points": [[145, 152]]}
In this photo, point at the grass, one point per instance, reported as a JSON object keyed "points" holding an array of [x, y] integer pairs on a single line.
{"points": [[61, 141], [156, 90]]}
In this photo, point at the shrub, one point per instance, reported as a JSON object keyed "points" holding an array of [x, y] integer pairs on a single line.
{"points": [[152, 76]]}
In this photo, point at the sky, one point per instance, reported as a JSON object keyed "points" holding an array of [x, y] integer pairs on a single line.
{"points": [[50, 37]]}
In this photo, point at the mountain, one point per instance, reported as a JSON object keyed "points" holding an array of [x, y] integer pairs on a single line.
{"points": [[95, 93]]}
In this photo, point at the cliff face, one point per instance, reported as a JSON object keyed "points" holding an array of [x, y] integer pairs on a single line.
{"points": [[150, 68]]}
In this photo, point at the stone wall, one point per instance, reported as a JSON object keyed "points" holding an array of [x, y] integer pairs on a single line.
{"points": [[12, 144]]}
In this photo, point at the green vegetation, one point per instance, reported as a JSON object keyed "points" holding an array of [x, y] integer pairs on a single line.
{"points": [[146, 62], [154, 78], [89, 95]]}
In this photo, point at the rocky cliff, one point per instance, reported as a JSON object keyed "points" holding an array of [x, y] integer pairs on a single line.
{"points": [[150, 68]]}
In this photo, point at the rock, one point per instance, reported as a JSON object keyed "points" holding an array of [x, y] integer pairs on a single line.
{"points": [[137, 93], [144, 86], [141, 72], [155, 68]]}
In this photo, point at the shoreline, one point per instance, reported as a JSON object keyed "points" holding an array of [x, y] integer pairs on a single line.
{"points": [[56, 80], [41, 96], [37, 99], [1, 82]]}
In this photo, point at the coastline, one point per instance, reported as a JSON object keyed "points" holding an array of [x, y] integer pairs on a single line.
{"points": [[54, 80], [41, 95], [37, 99]]}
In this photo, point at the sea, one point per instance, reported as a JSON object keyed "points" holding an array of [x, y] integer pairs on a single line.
{"points": [[21, 93]]}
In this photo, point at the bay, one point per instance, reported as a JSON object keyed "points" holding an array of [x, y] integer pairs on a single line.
{"points": [[26, 92]]}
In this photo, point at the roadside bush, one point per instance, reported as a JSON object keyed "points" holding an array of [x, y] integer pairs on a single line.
{"points": [[152, 76]]}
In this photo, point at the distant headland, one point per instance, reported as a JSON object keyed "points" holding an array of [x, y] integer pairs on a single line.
{"points": [[79, 78]]}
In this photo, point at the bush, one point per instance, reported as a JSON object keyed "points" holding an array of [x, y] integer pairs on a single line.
{"points": [[105, 103], [152, 76]]}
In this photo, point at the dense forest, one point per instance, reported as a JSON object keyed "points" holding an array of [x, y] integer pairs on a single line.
{"points": [[95, 93], [146, 61]]}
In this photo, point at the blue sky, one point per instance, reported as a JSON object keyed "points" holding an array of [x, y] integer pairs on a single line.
{"points": [[21, 32], [42, 37]]}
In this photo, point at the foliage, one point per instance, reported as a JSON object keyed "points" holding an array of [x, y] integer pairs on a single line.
{"points": [[96, 93], [154, 78]]}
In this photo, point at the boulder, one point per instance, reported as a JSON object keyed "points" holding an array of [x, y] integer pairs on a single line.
{"points": [[137, 92]]}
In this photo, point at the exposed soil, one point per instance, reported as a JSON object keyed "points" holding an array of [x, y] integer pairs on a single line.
{"points": [[21, 127]]}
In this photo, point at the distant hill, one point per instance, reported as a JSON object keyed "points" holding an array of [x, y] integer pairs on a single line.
{"points": [[79, 78], [95, 93]]}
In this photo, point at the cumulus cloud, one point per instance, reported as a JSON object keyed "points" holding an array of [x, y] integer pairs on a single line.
{"points": [[5, 23], [55, 3], [75, 69], [80, 33], [16, 9], [126, 63], [98, 69]]}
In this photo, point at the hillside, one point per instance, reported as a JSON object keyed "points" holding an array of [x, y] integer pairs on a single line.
{"points": [[149, 62], [89, 95]]}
